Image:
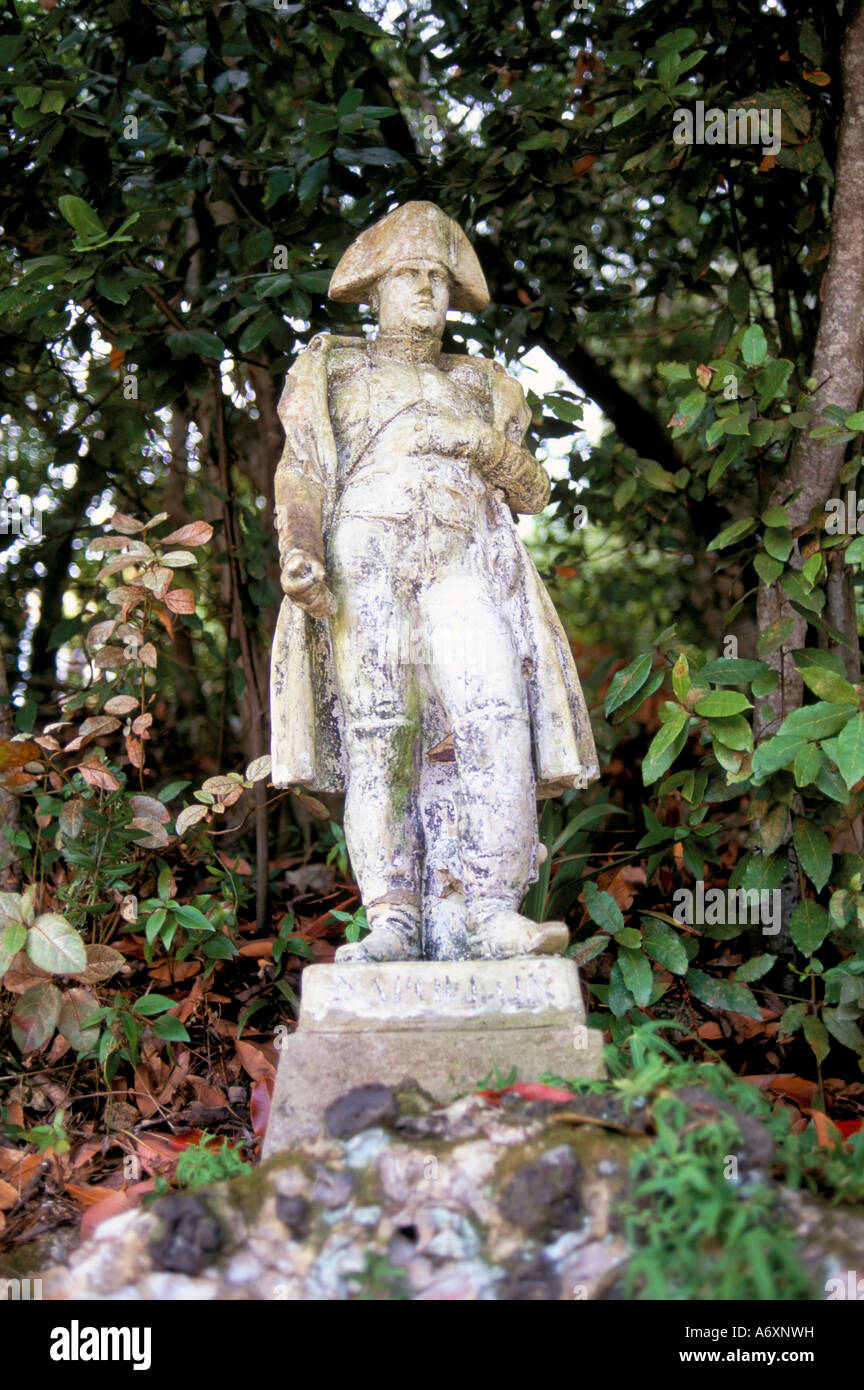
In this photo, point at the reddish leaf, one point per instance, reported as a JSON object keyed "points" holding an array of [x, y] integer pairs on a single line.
{"points": [[826, 1132], [96, 774], [127, 525], [795, 1087], [8, 1195], [35, 1016], [528, 1090], [87, 1195], [113, 1205], [135, 751], [259, 1103], [180, 601], [196, 533], [254, 1061]]}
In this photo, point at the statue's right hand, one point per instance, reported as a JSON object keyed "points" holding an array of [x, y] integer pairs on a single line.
{"points": [[305, 583]]}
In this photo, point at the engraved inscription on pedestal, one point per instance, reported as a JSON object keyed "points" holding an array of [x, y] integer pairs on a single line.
{"points": [[402, 995]]}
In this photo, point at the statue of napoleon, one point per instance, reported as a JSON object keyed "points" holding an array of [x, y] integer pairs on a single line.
{"points": [[418, 663]]}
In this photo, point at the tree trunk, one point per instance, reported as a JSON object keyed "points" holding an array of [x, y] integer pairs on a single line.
{"points": [[9, 804], [838, 367]]}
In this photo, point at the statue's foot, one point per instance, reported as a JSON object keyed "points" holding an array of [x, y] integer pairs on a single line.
{"points": [[507, 934], [388, 940]]}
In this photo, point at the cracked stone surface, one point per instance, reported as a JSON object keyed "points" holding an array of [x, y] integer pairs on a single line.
{"points": [[464, 1202]]}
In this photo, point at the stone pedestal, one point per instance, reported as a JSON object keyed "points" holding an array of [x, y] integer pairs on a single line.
{"points": [[448, 1025]]}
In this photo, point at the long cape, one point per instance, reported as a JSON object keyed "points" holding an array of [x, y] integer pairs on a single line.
{"points": [[306, 717]]}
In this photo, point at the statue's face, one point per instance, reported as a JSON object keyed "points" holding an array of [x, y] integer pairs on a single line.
{"points": [[413, 298]]}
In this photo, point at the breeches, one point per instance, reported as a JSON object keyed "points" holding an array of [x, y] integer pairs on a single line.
{"points": [[418, 621]]}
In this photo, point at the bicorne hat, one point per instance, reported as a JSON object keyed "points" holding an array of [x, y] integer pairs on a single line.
{"points": [[412, 232]]}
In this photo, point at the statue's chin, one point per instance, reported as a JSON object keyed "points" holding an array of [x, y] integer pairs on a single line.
{"points": [[423, 325]]}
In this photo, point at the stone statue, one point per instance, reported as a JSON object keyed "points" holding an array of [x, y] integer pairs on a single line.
{"points": [[418, 663]]}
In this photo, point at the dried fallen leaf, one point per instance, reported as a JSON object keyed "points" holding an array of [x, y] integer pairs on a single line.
{"points": [[254, 1061], [102, 963], [113, 1205], [8, 1195]]}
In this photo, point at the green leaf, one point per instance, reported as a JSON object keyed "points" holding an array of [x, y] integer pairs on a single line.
{"points": [[155, 923], [191, 918], [722, 994], [754, 346], [774, 636], [845, 1030], [589, 816], [54, 945], [221, 947], [730, 670], [586, 950], [730, 534], [815, 721], [811, 656], [13, 936], [850, 751], [664, 747], [813, 600], [172, 789], [255, 332], [194, 342], [636, 973], [658, 477], [778, 541], [771, 383], [654, 681], [627, 682], [681, 676], [831, 784], [767, 569], [191, 56], [630, 938], [312, 178], [10, 47], [82, 217], [792, 1018], [676, 39], [817, 1036], [813, 850], [808, 761], [764, 684], [602, 908], [754, 969], [665, 946], [171, 1029], [153, 1004], [772, 827], [808, 926], [733, 732], [723, 703]]}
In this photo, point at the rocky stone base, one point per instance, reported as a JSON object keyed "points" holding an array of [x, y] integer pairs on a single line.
{"points": [[473, 1201], [448, 1026], [401, 1199]]}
